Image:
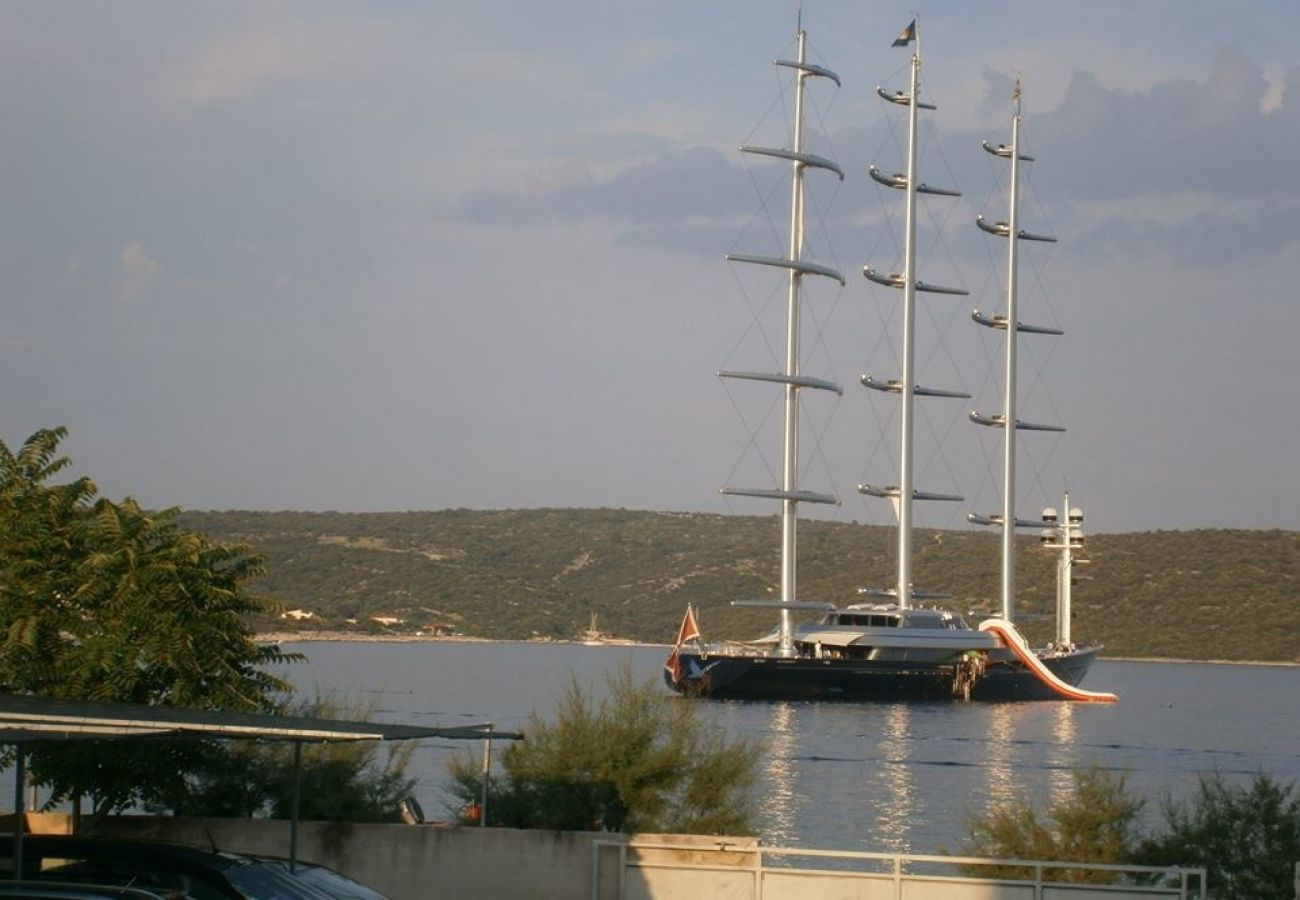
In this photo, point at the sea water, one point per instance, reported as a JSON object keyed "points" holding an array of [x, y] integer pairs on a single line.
{"points": [[856, 776]]}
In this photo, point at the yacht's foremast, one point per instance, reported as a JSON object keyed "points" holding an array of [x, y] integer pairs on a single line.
{"points": [[1008, 420], [790, 461], [792, 378], [905, 478], [906, 387]]}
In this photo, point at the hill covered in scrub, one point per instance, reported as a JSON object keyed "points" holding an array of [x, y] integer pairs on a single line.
{"points": [[542, 573]]}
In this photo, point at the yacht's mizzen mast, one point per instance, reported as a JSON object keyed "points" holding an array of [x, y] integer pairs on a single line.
{"points": [[796, 267], [1012, 232], [906, 387]]}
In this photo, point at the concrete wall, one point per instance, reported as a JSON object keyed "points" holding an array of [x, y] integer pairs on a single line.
{"points": [[427, 862], [38, 823], [405, 862]]}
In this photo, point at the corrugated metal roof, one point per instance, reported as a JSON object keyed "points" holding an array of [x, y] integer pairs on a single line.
{"points": [[26, 718]]}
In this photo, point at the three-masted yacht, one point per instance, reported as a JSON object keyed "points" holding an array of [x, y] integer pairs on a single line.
{"points": [[891, 650]]}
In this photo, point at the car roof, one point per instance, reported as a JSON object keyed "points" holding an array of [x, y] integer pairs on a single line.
{"points": [[183, 854]]}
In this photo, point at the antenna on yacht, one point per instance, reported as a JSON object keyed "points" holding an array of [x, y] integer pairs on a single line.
{"points": [[1066, 536]]}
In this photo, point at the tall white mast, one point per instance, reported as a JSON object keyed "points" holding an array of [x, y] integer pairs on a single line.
{"points": [[796, 267], [905, 486], [790, 462], [1008, 419], [906, 387], [1009, 383]]}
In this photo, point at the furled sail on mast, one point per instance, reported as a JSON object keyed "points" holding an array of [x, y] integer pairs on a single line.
{"points": [[1011, 230], [904, 493], [791, 378]]}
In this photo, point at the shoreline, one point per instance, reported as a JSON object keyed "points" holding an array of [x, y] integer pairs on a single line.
{"points": [[309, 637]]}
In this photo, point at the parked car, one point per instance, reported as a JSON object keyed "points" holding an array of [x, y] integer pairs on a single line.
{"points": [[52, 890], [180, 870]]}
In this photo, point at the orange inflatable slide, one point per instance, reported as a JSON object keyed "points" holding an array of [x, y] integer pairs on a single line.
{"points": [[1015, 642]]}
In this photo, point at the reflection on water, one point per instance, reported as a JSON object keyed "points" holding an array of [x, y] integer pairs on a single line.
{"points": [[896, 808], [1065, 752], [861, 776], [1000, 761], [780, 798]]}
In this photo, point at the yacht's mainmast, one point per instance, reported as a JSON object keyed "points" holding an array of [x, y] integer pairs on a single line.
{"points": [[906, 387], [1014, 234], [796, 267]]}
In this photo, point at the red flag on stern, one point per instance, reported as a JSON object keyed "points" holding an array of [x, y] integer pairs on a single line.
{"points": [[690, 631]]}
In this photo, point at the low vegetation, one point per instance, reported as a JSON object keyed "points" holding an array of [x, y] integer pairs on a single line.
{"points": [[1246, 836], [357, 781], [636, 761], [1097, 823], [541, 573]]}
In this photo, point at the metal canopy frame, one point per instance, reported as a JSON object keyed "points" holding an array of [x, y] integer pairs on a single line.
{"points": [[27, 720]]}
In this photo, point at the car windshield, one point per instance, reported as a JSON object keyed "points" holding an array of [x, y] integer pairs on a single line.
{"points": [[338, 886], [259, 881]]}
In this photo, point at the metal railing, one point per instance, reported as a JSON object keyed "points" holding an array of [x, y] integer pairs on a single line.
{"points": [[666, 870]]}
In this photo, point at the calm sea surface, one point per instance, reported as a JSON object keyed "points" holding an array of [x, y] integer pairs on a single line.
{"points": [[857, 776]]}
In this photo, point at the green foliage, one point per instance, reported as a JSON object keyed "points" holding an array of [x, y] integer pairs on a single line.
{"points": [[343, 782], [106, 601], [516, 574], [637, 761], [1096, 823], [1246, 837]]}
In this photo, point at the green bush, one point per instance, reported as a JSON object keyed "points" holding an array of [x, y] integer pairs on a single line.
{"points": [[340, 782], [1096, 823], [1246, 836], [638, 761]]}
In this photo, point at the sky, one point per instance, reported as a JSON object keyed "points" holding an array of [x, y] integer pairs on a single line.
{"points": [[362, 257]]}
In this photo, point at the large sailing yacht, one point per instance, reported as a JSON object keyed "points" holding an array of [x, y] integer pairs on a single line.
{"points": [[895, 649]]}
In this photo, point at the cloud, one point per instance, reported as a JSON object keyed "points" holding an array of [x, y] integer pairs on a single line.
{"points": [[241, 65], [1213, 135], [139, 271], [1141, 153], [649, 53], [680, 186], [1131, 156]]}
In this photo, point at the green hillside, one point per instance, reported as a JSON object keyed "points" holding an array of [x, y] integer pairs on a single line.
{"points": [[1209, 594]]}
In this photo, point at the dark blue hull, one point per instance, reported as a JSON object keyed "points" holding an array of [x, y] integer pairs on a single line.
{"points": [[774, 678]]}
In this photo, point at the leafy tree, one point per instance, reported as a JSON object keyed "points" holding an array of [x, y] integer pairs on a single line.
{"points": [[1246, 836], [342, 782], [1097, 823], [638, 760], [105, 601]]}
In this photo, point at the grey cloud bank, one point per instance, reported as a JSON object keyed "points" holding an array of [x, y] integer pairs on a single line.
{"points": [[325, 258]]}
